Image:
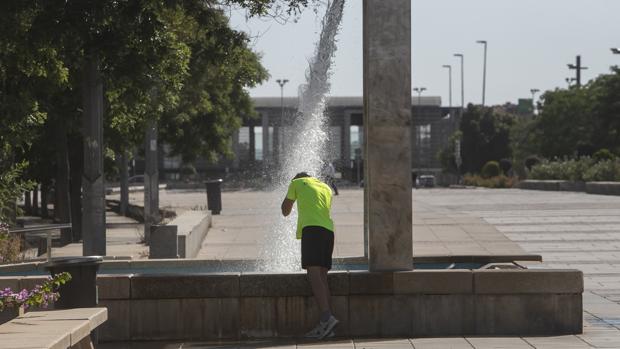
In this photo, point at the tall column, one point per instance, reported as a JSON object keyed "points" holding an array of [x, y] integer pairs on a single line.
{"points": [[123, 165], [93, 213], [35, 200], [346, 140], [252, 148], [387, 117], [265, 127], [151, 180], [235, 149]]}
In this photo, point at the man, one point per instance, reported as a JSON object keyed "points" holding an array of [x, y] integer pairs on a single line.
{"points": [[315, 228], [330, 174]]}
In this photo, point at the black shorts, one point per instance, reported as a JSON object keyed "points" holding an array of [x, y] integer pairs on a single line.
{"points": [[317, 246]]}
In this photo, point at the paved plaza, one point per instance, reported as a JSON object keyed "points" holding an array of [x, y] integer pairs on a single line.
{"points": [[569, 230]]}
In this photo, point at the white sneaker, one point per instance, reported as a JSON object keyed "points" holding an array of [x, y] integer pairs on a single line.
{"points": [[327, 327], [323, 329], [315, 332]]}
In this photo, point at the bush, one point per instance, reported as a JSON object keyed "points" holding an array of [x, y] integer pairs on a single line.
{"points": [[491, 169], [493, 182], [566, 170], [505, 165], [39, 296], [10, 246], [602, 155], [603, 171], [531, 161]]}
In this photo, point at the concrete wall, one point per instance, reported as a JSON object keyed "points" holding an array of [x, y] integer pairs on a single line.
{"points": [[181, 238], [601, 188], [418, 303]]}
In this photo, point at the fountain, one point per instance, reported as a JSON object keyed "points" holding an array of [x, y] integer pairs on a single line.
{"points": [[181, 300], [307, 147]]}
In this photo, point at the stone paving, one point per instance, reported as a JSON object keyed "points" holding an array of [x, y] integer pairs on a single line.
{"points": [[570, 230], [124, 238]]}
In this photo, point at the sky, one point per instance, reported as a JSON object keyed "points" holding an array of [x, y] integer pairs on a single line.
{"points": [[530, 43]]}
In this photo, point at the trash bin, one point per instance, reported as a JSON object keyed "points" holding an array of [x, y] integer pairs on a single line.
{"points": [[214, 195], [81, 291]]}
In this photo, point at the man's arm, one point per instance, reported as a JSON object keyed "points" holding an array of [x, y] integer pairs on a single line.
{"points": [[287, 206]]}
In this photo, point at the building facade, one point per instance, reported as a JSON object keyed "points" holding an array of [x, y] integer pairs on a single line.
{"points": [[261, 141]]}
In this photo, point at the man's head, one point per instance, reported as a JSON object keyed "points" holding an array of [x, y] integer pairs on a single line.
{"points": [[301, 175]]}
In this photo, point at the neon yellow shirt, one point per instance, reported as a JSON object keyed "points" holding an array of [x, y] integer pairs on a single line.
{"points": [[314, 200]]}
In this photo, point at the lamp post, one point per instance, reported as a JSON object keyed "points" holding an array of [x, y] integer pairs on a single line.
{"points": [[449, 82], [276, 137], [534, 91], [419, 90], [484, 70], [282, 82], [460, 55], [615, 50]]}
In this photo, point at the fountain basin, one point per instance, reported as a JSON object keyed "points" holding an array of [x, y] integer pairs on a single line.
{"points": [[418, 303]]}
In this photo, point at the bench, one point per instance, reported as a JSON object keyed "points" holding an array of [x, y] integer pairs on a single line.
{"points": [[181, 238], [54, 329]]}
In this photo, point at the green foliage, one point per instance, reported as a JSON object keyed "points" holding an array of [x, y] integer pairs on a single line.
{"points": [[602, 155], [500, 181], [12, 187], [490, 169], [603, 171], [10, 246], [447, 156], [573, 122], [486, 137], [568, 169]]}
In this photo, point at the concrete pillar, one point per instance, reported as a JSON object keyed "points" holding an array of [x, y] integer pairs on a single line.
{"points": [[123, 165], [151, 180], [387, 117], [265, 127], [252, 148], [346, 140], [235, 149], [35, 200], [93, 213]]}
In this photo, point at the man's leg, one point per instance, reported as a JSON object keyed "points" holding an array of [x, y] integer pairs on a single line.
{"points": [[318, 281]]}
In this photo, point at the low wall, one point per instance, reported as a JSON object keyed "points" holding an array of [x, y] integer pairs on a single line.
{"points": [[180, 238], [602, 188], [415, 304], [137, 212]]}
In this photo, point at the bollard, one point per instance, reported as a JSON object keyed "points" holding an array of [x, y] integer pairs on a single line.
{"points": [[214, 195]]}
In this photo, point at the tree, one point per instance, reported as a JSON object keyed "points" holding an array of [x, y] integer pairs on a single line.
{"points": [[485, 137], [213, 98], [605, 92], [564, 125]]}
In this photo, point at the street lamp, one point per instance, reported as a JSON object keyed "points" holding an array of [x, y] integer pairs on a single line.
{"points": [[449, 82], [460, 55], [615, 50], [534, 91], [419, 90], [282, 82], [484, 71]]}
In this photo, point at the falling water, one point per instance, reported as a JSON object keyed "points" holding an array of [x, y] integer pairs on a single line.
{"points": [[306, 148]]}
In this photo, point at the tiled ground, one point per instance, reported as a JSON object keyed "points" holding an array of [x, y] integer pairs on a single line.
{"points": [[570, 230]]}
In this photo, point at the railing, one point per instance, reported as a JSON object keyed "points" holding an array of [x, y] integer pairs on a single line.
{"points": [[46, 227]]}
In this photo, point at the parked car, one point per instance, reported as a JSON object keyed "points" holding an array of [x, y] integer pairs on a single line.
{"points": [[138, 179], [427, 181]]}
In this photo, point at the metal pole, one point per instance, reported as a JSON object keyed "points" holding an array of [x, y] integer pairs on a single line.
{"points": [[460, 55], [534, 91], [449, 83], [484, 71]]}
